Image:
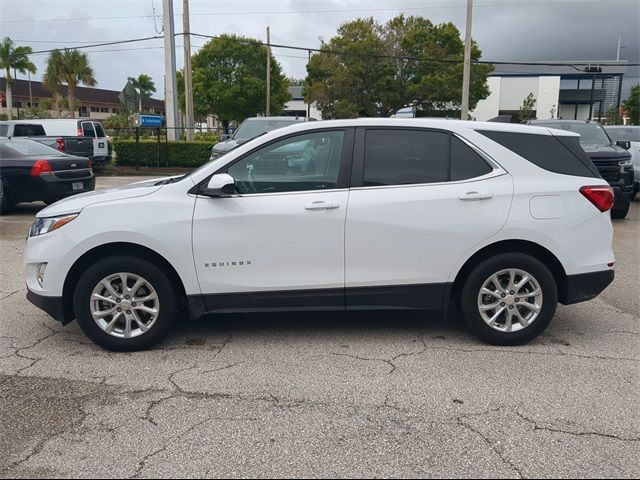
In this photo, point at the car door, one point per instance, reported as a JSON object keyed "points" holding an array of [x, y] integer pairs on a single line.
{"points": [[89, 132], [279, 241], [420, 199], [100, 147]]}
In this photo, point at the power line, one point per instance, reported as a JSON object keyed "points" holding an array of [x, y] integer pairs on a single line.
{"points": [[299, 12], [249, 42]]}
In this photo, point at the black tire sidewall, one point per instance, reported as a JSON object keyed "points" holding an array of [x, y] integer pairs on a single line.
{"points": [[482, 272], [107, 266], [620, 212]]}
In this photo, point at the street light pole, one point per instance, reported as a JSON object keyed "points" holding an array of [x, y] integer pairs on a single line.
{"points": [[170, 100], [268, 111], [188, 84], [466, 74]]}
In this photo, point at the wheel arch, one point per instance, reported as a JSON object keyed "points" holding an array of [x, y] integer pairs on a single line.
{"points": [[513, 246], [107, 250]]}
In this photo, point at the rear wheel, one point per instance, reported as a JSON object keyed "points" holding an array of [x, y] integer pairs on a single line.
{"points": [[509, 299], [124, 303], [620, 209]]}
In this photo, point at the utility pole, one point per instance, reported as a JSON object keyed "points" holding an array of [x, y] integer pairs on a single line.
{"points": [[308, 104], [619, 40], [188, 86], [30, 91], [464, 113], [268, 112], [170, 100]]}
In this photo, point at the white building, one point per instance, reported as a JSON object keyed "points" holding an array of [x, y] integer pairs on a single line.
{"points": [[560, 91], [298, 107]]}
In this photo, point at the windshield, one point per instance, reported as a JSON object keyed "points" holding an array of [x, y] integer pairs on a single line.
{"points": [[631, 134], [590, 133], [253, 128], [30, 147]]}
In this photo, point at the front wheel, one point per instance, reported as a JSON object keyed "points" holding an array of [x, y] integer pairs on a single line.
{"points": [[124, 303], [509, 299]]}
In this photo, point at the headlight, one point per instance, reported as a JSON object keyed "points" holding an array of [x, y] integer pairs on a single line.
{"points": [[625, 163], [49, 224]]}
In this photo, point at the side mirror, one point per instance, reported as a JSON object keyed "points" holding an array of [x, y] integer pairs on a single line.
{"points": [[220, 185], [224, 136], [626, 144]]}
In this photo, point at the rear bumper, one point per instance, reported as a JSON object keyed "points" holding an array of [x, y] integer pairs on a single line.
{"points": [[53, 306], [586, 286], [101, 160]]}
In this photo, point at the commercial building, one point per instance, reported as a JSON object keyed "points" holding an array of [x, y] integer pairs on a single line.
{"points": [[95, 103], [560, 89], [298, 107]]}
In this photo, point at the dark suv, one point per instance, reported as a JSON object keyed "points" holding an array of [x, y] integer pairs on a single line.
{"points": [[612, 160]]}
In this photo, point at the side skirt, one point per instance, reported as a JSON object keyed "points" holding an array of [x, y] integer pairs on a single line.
{"points": [[391, 297]]}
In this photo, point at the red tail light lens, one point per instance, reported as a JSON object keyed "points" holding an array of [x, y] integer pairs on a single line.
{"points": [[90, 163], [41, 166], [80, 132], [60, 143], [602, 197]]}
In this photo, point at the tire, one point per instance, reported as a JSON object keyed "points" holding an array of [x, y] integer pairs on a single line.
{"points": [[134, 269], [503, 264], [620, 211], [5, 202]]}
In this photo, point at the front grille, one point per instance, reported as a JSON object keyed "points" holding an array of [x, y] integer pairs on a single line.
{"points": [[72, 174], [609, 168]]}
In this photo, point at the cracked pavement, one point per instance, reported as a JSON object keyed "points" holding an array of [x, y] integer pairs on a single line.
{"points": [[323, 394]]}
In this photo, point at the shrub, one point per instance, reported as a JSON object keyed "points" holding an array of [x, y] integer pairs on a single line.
{"points": [[172, 154]]}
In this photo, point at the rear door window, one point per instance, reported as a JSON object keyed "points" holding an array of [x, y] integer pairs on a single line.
{"points": [[466, 163], [401, 157], [99, 130], [87, 129]]}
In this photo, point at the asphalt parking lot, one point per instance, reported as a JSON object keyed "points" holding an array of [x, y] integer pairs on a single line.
{"points": [[325, 395]]}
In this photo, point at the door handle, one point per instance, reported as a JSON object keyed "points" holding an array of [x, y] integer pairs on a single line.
{"points": [[320, 205], [475, 196]]}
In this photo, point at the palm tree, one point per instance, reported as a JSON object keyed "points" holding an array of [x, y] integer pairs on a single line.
{"points": [[70, 67], [18, 59], [145, 86]]}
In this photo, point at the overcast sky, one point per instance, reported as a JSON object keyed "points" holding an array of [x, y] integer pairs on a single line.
{"points": [[522, 30]]}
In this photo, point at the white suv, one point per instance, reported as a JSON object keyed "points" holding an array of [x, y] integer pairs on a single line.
{"points": [[505, 220]]}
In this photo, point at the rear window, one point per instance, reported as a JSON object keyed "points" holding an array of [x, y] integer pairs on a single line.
{"points": [[87, 129], [28, 130], [99, 130], [561, 154], [465, 162], [27, 147], [4, 130]]}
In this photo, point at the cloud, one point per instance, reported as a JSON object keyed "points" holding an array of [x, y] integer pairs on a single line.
{"points": [[523, 30]]}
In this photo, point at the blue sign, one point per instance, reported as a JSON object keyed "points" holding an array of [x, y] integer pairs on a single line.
{"points": [[151, 120]]}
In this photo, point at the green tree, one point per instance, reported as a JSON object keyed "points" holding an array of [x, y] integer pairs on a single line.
{"points": [[70, 67], [527, 108], [12, 57], [229, 80], [613, 116], [145, 86], [382, 68], [632, 105]]}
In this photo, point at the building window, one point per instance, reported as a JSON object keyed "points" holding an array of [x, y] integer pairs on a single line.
{"points": [[115, 110], [104, 110]]}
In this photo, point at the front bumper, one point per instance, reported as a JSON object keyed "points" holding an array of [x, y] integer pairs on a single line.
{"points": [[53, 306], [585, 286]]}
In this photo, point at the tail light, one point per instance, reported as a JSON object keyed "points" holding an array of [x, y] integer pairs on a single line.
{"points": [[90, 163], [41, 166], [601, 196], [60, 144], [80, 132]]}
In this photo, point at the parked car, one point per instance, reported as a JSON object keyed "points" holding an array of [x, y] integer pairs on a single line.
{"points": [[628, 133], [31, 171], [71, 145], [66, 128], [348, 214], [252, 128], [612, 160]]}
